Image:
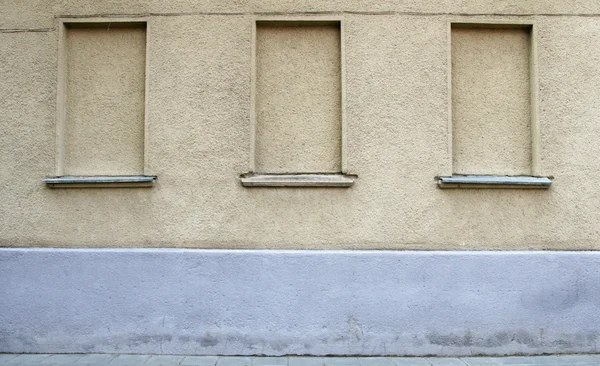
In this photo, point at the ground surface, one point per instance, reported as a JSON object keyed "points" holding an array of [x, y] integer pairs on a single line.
{"points": [[121, 360]]}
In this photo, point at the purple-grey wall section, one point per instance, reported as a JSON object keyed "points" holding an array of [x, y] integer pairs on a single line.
{"points": [[271, 302]]}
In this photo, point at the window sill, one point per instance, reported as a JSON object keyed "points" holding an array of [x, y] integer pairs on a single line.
{"points": [[494, 181], [298, 180], [113, 181]]}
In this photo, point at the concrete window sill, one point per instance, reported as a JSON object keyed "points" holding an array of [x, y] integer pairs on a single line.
{"points": [[112, 181], [298, 180], [494, 181]]}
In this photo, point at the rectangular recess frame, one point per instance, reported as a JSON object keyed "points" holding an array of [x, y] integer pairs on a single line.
{"points": [[535, 172], [61, 104], [296, 180]]}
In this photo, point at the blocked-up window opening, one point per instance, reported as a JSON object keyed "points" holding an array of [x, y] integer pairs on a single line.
{"points": [[491, 106], [103, 131], [298, 97]]}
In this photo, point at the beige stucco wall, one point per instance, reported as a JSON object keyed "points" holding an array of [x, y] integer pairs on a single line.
{"points": [[397, 109]]}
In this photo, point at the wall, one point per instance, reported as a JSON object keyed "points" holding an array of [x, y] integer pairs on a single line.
{"points": [[198, 138], [397, 105], [245, 302]]}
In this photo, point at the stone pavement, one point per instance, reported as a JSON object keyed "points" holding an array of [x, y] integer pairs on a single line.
{"points": [[122, 360]]}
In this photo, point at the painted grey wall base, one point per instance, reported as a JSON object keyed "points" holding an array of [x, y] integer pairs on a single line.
{"points": [[245, 302]]}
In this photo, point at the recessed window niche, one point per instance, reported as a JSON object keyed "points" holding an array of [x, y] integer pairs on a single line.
{"points": [[298, 119], [101, 104], [493, 107]]}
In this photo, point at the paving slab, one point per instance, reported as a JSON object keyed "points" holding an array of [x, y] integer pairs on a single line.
{"points": [[128, 360], [523, 360], [27, 358], [445, 361], [341, 361], [6, 357], [164, 360], [199, 361], [411, 361], [481, 361], [306, 361], [269, 361], [65, 359], [575, 359], [95, 359], [533, 361], [376, 361], [234, 361]]}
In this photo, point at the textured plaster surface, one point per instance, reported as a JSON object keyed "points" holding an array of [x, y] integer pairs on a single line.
{"points": [[298, 302], [30, 15], [491, 110], [27, 98], [40, 13], [397, 105], [104, 127], [33, 14], [298, 98]]}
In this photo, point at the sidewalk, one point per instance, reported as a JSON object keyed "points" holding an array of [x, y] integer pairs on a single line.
{"points": [[122, 360]]}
